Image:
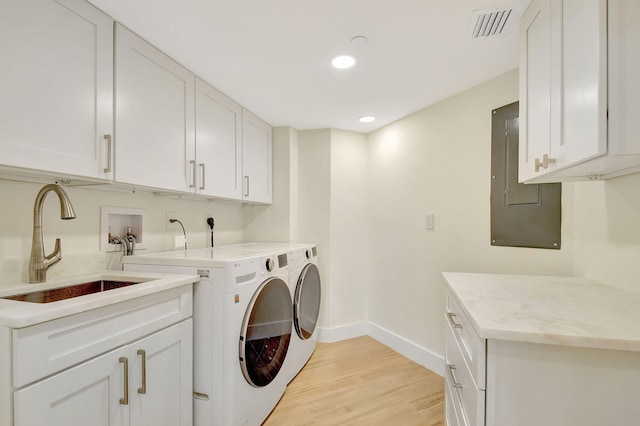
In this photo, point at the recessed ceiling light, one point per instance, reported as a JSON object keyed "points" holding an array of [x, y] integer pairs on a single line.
{"points": [[367, 119], [343, 61]]}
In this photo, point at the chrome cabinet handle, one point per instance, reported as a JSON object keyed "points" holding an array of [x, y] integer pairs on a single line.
{"points": [[192, 183], [107, 138], [453, 322], [452, 376], [125, 399], [143, 354], [246, 182], [202, 183], [545, 162]]}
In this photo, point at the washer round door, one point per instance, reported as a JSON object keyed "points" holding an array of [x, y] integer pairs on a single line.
{"points": [[306, 303], [266, 332]]}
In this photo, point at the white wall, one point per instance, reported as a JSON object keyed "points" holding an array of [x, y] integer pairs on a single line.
{"points": [[81, 237], [314, 184], [438, 160], [349, 276], [606, 228], [333, 213]]}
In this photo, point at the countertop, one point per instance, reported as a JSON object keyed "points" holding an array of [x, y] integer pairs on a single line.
{"points": [[207, 257], [17, 314], [552, 310]]}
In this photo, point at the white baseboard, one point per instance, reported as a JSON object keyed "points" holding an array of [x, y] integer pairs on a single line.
{"points": [[414, 352], [330, 335]]}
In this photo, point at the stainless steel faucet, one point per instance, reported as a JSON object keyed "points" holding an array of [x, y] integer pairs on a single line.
{"points": [[39, 263]]}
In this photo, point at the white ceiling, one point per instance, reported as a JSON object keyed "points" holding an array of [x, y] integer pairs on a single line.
{"points": [[272, 56]]}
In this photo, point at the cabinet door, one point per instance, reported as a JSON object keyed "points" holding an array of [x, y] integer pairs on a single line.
{"points": [[56, 80], [563, 85], [161, 378], [624, 69], [256, 159], [155, 142], [584, 82], [89, 394], [218, 143], [539, 90]]}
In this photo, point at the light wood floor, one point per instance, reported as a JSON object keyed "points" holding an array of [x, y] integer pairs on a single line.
{"points": [[361, 382]]}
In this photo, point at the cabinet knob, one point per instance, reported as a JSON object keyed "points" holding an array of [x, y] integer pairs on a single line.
{"points": [[544, 164]]}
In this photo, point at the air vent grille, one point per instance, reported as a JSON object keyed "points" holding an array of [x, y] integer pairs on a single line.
{"points": [[490, 22]]}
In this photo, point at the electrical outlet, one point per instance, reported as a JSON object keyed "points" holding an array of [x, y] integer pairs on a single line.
{"points": [[428, 223], [178, 241]]}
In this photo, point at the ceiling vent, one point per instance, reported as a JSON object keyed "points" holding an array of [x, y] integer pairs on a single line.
{"points": [[494, 22]]}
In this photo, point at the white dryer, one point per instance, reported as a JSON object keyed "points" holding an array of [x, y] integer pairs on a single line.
{"points": [[305, 287], [242, 329], [305, 284]]}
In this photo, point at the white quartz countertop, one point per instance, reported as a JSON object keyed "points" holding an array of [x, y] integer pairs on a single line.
{"points": [[207, 257], [18, 314], [552, 310]]}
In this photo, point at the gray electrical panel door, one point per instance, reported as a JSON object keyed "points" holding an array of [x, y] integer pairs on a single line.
{"points": [[522, 215]]}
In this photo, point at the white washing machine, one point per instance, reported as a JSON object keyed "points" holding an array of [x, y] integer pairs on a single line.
{"points": [[242, 329], [305, 287]]}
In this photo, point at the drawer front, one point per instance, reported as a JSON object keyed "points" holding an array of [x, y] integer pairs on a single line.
{"points": [[453, 405], [461, 386], [473, 348], [46, 348]]}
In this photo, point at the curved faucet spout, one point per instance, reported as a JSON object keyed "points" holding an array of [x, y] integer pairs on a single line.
{"points": [[39, 263]]}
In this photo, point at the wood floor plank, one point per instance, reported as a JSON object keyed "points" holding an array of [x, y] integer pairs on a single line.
{"points": [[361, 382]]}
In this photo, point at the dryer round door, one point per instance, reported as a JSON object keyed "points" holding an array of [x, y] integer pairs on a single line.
{"points": [[306, 303], [266, 332]]}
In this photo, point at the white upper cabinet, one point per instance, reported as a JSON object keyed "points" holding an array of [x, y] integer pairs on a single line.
{"points": [[154, 104], [56, 81], [256, 159], [624, 70], [569, 56], [218, 143], [538, 103]]}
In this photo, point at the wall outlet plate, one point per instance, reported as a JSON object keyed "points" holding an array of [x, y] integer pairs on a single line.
{"points": [[429, 221], [178, 241]]}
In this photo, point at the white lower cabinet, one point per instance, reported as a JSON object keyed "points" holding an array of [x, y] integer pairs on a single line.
{"points": [[144, 383], [497, 382], [160, 378], [129, 363], [84, 395], [465, 370]]}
